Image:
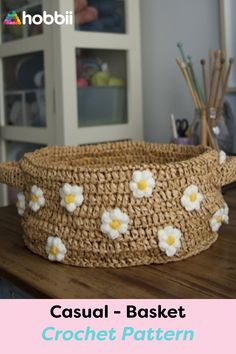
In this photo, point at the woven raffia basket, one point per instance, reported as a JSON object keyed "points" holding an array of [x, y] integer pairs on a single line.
{"points": [[120, 204]]}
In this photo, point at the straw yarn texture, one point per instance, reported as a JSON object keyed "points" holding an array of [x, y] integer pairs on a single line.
{"points": [[105, 171]]}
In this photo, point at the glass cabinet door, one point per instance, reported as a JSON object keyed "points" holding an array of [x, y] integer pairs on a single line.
{"points": [[11, 16], [24, 92], [101, 87], [100, 15]]}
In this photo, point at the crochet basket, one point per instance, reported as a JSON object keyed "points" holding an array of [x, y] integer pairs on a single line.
{"points": [[120, 204]]}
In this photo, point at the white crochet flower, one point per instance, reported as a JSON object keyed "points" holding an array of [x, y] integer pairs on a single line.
{"points": [[220, 216], [37, 199], [71, 197], [114, 223], [20, 204], [226, 209], [169, 240], [142, 184], [191, 199], [216, 130], [55, 249], [222, 157]]}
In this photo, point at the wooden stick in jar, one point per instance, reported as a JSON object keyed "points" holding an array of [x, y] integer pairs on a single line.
{"points": [[214, 79], [183, 68], [222, 61], [203, 127], [203, 63], [187, 74], [195, 82], [223, 72], [211, 138]]}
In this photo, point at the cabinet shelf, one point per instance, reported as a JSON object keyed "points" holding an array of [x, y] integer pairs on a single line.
{"points": [[102, 40], [23, 46], [26, 134]]}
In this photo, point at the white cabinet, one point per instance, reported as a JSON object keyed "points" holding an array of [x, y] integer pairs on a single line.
{"points": [[69, 84]]}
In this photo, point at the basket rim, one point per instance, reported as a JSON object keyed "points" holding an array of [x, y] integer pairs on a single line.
{"points": [[38, 158]]}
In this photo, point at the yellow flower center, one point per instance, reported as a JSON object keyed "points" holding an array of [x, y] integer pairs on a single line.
{"points": [[115, 224], [170, 240], [53, 250], [69, 198], [193, 197], [34, 198], [220, 219], [142, 185], [17, 204]]}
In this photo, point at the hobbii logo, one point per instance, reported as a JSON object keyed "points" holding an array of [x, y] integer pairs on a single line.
{"points": [[37, 19], [48, 19]]}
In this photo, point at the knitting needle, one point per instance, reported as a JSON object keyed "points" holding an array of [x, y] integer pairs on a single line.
{"points": [[223, 71], [203, 127], [214, 66], [195, 81], [198, 101], [211, 138], [183, 68], [184, 59], [203, 63], [181, 49], [213, 79], [222, 61], [190, 71]]}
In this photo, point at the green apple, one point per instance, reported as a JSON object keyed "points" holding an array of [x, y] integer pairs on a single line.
{"points": [[116, 81], [100, 78]]}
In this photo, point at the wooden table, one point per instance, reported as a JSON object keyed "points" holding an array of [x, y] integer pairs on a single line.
{"points": [[212, 274]]}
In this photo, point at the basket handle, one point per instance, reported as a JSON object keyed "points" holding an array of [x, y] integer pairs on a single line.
{"points": [[226, 173], [11, 174]]}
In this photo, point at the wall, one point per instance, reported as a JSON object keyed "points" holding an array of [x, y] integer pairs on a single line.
{"points": [[164, 23]]}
